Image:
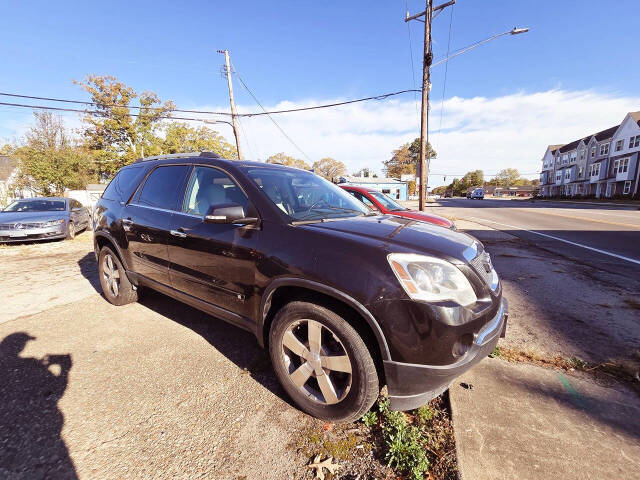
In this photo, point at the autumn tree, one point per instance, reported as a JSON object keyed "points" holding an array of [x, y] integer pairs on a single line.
{"points": [[404, 160], [282, 159], [50, 161], [114, 134], [179, 137], [507, 177], [329, 168]]}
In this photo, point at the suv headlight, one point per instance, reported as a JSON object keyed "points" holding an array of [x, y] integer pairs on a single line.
{"points": [[52, 223], [431, 279]]}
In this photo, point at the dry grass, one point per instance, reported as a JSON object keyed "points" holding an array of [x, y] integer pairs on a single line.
{"points": [[627, 371]]}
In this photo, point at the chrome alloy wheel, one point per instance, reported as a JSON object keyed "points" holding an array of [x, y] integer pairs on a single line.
{"points": [[111, 275], [317, 362]]}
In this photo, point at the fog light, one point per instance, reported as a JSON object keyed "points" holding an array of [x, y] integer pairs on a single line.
{"points": [[462, 345]]}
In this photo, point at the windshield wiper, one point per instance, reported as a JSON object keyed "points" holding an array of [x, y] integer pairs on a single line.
{"points": [[343, 209]]}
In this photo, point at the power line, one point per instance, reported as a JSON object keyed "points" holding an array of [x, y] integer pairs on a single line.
{"points": [[94, 112], [207, 112], [446, 69], [270, 118], [413, 71]]}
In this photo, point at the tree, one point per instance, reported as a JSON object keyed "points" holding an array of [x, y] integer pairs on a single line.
{"points": [[179, 137], [507, 177], [112, 133], [49, 162], [282, 159], [404, 160], [329, 168]]}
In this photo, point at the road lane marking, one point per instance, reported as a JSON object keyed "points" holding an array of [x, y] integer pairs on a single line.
{"points": [[604, 252], [584, 219]]}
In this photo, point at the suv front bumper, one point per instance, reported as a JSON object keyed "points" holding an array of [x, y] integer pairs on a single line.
{"points": [[411, 385]]}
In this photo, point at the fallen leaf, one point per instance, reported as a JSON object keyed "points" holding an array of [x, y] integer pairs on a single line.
{"points": [[319, 466], [327, 427]]}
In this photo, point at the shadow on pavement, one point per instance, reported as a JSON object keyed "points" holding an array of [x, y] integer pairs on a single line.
{"points": [[31, 445], [236, 344], [89, 270]]}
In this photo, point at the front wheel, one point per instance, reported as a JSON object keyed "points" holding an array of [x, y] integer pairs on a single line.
{"points": [[322, 362], [71, 231], [115, 284]]}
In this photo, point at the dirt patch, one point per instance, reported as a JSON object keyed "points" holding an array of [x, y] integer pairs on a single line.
{"points": [[38, 276], [385, 444]]}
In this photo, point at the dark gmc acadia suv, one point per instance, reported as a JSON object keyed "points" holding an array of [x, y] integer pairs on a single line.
{"points": [[345, 300]]}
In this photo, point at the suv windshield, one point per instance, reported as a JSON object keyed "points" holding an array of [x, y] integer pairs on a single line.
{"points": [[36, 206], [386, 201], [305, 196]]}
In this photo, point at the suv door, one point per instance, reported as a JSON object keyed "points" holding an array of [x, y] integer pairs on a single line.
{"points": [[213, 262], [146, 220]]}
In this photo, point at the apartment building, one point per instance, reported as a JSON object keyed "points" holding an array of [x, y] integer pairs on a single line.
{"points": [[601, 165]]}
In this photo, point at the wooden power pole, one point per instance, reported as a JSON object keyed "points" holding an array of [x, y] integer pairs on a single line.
{"points": [[427, 59], [233, 103]]}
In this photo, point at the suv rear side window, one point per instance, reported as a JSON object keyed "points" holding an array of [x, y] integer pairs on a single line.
{"points": [[164, 188], [122, 186]]}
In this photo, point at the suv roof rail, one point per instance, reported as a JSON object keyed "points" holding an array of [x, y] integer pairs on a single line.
{"points": [[179, 155]]}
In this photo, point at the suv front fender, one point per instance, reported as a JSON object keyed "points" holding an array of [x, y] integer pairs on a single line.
{"points": [[265, 306]]}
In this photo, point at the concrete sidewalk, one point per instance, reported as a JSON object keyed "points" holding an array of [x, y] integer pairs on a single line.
{"points": [[521, 421]]}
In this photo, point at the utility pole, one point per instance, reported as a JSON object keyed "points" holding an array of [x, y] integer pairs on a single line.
{"points": [[427, 60], [233, 103]]}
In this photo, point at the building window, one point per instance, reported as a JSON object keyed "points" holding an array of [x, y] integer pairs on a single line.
{"points": [[595, 170], [593, 151], [558, 176], [580, 172], [634, 141], [627, 187], [604, 149], [573, 157], [622, 165], [567, 174], [565, 159], [582, 154], [619, 145]]}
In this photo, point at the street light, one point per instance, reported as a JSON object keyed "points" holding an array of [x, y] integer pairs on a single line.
{"points": [[212, 122], [513, 31]]}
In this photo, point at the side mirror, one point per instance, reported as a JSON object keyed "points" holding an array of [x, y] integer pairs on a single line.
{"points": [[229, 213]]}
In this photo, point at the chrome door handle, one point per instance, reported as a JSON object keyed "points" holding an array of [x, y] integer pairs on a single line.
{"points": [[177, 233], [127, 221]]}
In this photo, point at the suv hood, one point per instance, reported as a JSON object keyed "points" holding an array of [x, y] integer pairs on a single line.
{"points": [[400, 234]]}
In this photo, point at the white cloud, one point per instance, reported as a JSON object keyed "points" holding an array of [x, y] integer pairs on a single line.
{"points": [[486, 133], [479, 132]]}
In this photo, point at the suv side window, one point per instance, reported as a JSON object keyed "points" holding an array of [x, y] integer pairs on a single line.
{"points": [[209, 186], [122, 186], [75, 204], [164, 187]]}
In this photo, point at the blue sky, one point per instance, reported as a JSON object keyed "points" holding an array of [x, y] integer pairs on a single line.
{"points": [[307, 51]]}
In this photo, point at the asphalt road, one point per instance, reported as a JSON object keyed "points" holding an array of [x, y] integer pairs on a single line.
{"points": [[604, 236]]}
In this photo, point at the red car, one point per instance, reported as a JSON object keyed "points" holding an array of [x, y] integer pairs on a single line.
{"points": [[376, 200]]}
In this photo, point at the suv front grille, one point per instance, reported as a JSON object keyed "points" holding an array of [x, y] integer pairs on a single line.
{"points": [[482, 265]]}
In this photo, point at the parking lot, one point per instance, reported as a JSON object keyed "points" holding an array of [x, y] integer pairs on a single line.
{"points": [[157, 389], [154, 389]]}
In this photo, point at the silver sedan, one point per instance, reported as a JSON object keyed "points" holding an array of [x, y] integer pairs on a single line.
{"points": [[42, 219]]}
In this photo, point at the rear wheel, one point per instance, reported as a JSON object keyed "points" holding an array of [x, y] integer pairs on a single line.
{"points": [[116, 287], [322, 362]]}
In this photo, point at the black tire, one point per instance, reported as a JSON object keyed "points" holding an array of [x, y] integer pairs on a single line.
{"points": [[363, 388], [125, 292], [71, 231]]}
